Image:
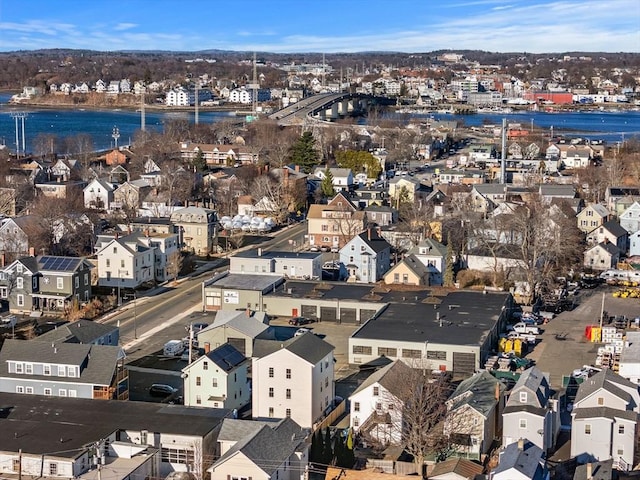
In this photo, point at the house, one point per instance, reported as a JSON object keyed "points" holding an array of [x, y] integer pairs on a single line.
{"points": [[551, 191], [381, 215], [130, 194], [376, 408], [90, 429], [219, 155], [408, 271], [474, 414], [342, 177], [65, 189], [367, 257], [368, 196], [334, 224], [456, 469], [46, 283], [98, 194], [521, 460], [619, 198], [406, 189], [596, 471], [218, 379], [63, 170], [486, 196], [603, 256], [83, 331], [265, 450], [77, 370], [630, 218], [609, 232], [292, 379], [634, 244], [433, 255], [629, 366], [116, 157], [238, 328], [592, 216], [604, 420], [125, 263], [303, 265], [15, 235], [532, 411], [196, 228]]}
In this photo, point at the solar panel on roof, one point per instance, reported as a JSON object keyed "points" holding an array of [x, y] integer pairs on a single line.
{"points": [[61, 264]]}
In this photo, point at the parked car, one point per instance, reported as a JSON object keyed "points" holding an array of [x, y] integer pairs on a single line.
{"points": [[301, 331], [297, 321], [199, 326], [161, 390], [584, 372]]}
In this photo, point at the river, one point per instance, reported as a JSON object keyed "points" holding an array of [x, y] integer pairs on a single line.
{"points": [[611, 126]]}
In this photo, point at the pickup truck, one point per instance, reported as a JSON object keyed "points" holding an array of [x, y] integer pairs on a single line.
{"points": [[522, 327]]}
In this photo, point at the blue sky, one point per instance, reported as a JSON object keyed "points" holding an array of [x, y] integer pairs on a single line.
{"points": [[322, 26]]}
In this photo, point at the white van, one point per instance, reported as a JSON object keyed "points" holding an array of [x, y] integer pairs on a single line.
{"points": [[173, 348]]}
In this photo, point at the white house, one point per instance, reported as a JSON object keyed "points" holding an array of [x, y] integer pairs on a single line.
{"points": [[367, 257], [292, 378], [125, 264], [630, 218], [342, 177], [261, 450], [604, 420], [433, 255], [375, 407], [629, 366], [634, 244], [603, 256], [531, 411], [521, 460], [98, 194], [218, 379], [240, 95]]}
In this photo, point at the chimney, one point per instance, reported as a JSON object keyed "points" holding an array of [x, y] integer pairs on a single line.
{"points": [[521, 445], [248, 313], [297, 168], [207, 347], [369, 234], [589, 471], [32, 252], [3, 260], [497, 393], [259, 252], [117, 235]]}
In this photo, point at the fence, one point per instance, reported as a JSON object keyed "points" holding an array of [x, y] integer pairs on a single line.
{"points": [[333, 416]]}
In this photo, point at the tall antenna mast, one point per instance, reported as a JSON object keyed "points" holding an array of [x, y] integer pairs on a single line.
{"points": [[115, 134], [21, 116]]}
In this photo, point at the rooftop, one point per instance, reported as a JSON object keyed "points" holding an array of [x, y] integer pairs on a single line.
{"points": [[244, 281], [259, 253]]}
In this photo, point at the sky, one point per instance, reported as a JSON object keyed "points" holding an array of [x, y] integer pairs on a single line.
{"points": [[330, 26]]}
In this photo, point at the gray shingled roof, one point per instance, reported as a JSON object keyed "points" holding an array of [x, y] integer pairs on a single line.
{"points": [[607, 380], [599, 471], [387, 376], [308, 347], [250, 326], [234, 430], [534, 380], [81, 331], [614, 228], [101, 360], [376, 242], [526, 461], [482, 387], [604, 412]]}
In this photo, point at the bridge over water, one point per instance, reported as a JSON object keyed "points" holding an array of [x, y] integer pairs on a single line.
{"points": [[327, 106]]}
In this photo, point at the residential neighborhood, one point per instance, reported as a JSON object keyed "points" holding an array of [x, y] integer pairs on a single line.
{"points": [[357, 277]]}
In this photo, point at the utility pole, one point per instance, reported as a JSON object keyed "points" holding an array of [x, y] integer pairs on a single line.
{"points": [[196, 102], [503, 156], [135, 315]]}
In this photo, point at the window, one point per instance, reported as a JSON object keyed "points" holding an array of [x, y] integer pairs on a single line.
{"points": [[19, 268], [361, 349], [86, 279], [271, 392], [59, 283], [71, 371], [288, 413], [523, 397], [270, 412], [19, 282], [19, 368], [288, 373], [72, 393], [28, 368], [436, 355], [621, 429], [19, 389], [288, 394], [587, 429], [270, 372], [46, 369], [376, 391], [326, 382], [3, 292], [61, 371], [176, 455], [62, 392], [409, 353], [621, 451], [600, 400], [356, 422], [396, 277], [47, 391], [16, 465], [29, 390], [53, 468], [356, 406], [77, 282], [198, 400], [523, 423], [387, 352], [198, 381], [214, 382]]}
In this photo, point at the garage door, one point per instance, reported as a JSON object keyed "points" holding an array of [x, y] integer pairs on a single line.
{"points": [[366, 315], [309, 311], [239, 343], [348, 315], [328, 314], [464, 363]]}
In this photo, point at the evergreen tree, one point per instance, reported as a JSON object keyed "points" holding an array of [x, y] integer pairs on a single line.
{"points": [[304, 152], [448, 272], [339, 451], [315, 452], [327, 184], [327, 450], [199, 162]]}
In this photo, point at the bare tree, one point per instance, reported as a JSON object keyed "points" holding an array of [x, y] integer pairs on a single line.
{"points": [[175, 262]]}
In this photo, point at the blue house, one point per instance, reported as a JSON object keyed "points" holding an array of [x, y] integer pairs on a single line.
{"points": [[367, 257]]}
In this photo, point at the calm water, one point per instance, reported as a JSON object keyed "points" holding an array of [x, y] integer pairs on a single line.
{"points": [[609, 126]]}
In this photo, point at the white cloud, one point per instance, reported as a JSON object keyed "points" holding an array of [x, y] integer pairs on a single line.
{"points": [[125, 26]]}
